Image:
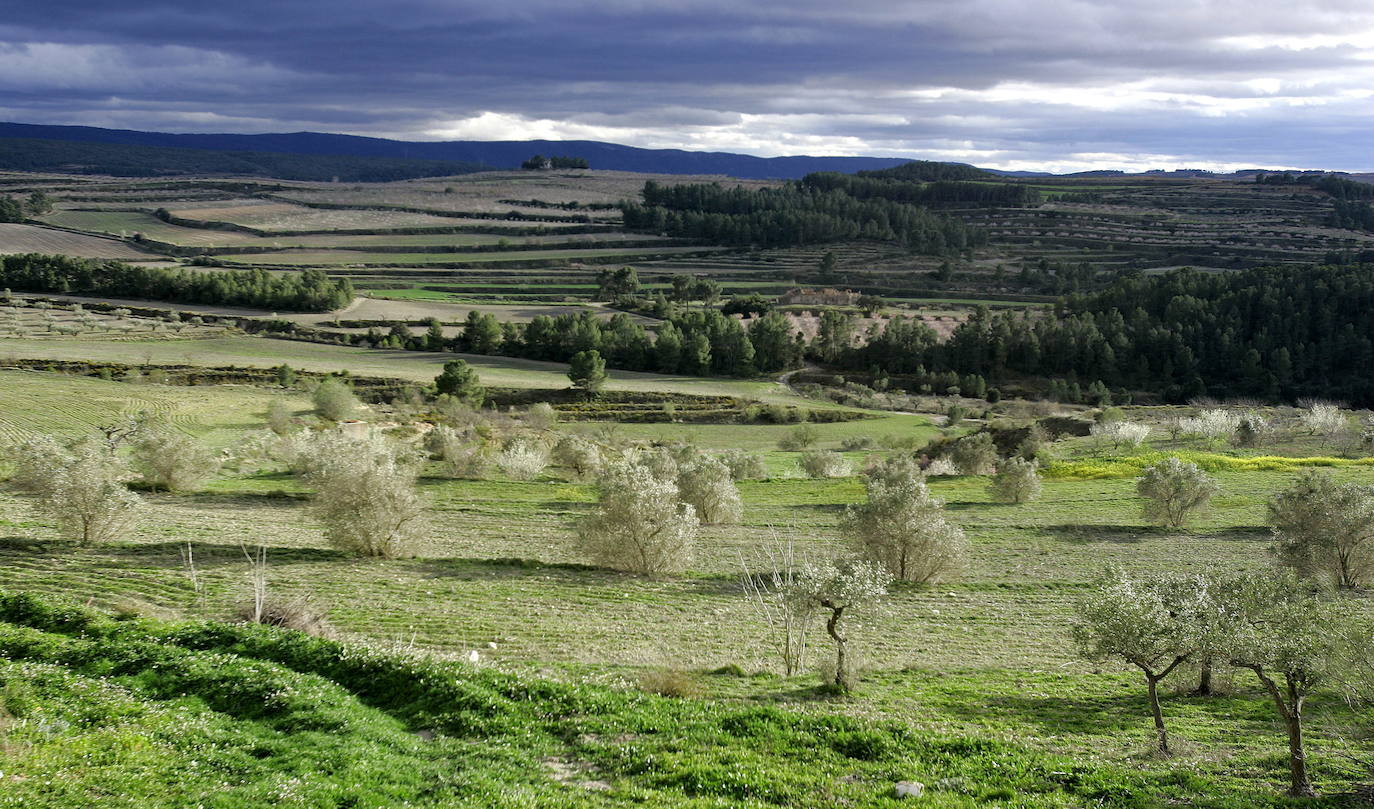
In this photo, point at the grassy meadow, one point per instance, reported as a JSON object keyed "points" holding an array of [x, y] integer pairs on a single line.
{"points": [[983, 659]]}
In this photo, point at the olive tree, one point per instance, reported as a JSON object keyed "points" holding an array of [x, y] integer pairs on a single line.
{"points": [[171, 460], [81, 486], [364, 494], [280, 417], [1152, 624], [1017, 481], [1293, 640], [842, 587], [903, 528], [824, 463], [1325, 529], [639, 524], [706, 484], [1172, 490]]}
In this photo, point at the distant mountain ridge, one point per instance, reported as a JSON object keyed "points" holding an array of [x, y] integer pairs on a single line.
{"points": [[494, 154]]}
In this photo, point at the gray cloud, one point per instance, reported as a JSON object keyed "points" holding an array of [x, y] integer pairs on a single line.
{"points": [[1012, 83]]}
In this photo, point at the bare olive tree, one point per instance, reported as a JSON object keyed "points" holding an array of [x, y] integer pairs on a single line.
{"points": [[903, 528], [639, 525], [1172, 490], [1017, 481], [1152, 624], [1325, 529], [840, 587], [364, 494]]}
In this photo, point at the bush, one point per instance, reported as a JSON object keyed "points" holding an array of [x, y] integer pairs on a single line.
{"points": [[974, 454], [334, 400], [744, 465], [855, 443], [280, 417], [639, 525], [1172, 490], [522, 459], [1120, 433], [541, 416], [80, 486], [297, 613], [1017, 481], [799, 438], [824, 463], [171, 460], [578, 455], [706, 485], [458, 451]]}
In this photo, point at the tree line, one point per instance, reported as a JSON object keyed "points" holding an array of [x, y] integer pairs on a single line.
{"points": [[938, 192], [1278, 332], [794, 214], [306, 291]]}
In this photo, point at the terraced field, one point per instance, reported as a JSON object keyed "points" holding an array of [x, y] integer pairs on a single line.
{"points": [[61, 404], [326, 258], [16, 238]]}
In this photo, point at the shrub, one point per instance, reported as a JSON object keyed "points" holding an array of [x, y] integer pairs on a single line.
{"points": [[522, 459], [1120, 433], [975, 454], [334, 399], [541, 416], [458, 451], [825, 463], [578, 455], [903, 528], [639, 524], [854, 443], [744, 465], [172, 460], [297, 613], [1172, 490], [799, 438], [1017, 481], [280, 417], [364, 495], [706, 485], [1322, 418]]}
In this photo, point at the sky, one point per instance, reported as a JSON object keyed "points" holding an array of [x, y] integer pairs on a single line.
{"points": [[1052, 85]]}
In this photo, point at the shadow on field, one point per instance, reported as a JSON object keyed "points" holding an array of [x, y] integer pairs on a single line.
{"points": [[212, 554], [1085, 534], [31, 546], [512, 569]]}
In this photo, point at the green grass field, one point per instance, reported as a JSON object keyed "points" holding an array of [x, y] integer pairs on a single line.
{"points": [[420, 367]]}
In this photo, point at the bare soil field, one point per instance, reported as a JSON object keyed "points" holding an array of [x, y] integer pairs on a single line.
{"points": [[16, 238]]}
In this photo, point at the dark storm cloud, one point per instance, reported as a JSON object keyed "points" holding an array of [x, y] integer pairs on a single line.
{"points": [[1060, 83]]}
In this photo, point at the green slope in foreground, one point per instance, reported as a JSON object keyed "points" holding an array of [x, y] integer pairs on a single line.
{"points": [[149, 714]]}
